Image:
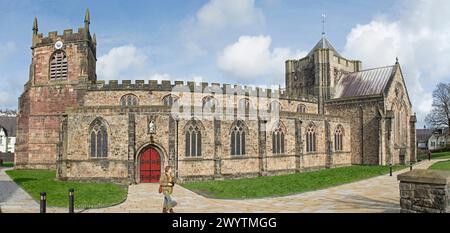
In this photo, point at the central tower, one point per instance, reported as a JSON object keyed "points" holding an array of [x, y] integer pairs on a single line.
{"points": [[317, 74]]}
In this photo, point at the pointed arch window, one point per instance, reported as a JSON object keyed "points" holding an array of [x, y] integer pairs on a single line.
{"points": [[278, 139], [174, 102], [274, 107], [170, 100], [129, 100], [338, 137], [193, 140], [310, 139], [301, 108], [58, 66], [244, 106], [98, 139], [209, 102], [237, 143]]}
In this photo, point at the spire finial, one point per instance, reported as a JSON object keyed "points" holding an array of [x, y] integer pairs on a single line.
{"points": [[35, 26], [87, 17], [396, 59], [323, 24], [94, 39]]}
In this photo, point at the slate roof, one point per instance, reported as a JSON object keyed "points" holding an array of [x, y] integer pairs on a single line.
{"points": [[364, 82], [423, 134], [9, 125], [323, 44]]}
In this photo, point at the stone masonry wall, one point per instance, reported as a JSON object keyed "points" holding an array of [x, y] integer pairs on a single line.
{"points": [[114, 167], [425, 191]]}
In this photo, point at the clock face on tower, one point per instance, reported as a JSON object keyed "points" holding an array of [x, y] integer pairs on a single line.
{"points": [[58, 45]]}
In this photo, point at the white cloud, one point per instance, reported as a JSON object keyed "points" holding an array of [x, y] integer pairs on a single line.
{"points": [[6, 50], [216, 19], [419, 36], [219, 14], [6, 98], [159, 77], [252, 59], [121, 63]]}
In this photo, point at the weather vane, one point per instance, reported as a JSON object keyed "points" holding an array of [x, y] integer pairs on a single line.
{"points": [[323, 25]]}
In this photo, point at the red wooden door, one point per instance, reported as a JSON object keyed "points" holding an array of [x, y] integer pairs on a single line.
{"points": [[150, 166]]}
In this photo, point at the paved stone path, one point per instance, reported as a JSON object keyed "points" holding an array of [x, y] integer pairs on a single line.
{"points": [[378, 194], [13, 198]]}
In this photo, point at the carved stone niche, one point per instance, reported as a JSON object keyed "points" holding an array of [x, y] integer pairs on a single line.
{"points": [[151, 124]]}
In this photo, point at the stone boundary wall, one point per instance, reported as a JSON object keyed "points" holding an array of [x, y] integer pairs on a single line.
{"points": [[425, 191], [7, 157]]}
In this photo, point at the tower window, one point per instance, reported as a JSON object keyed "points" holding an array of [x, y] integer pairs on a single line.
{"points": [[58, 66]]}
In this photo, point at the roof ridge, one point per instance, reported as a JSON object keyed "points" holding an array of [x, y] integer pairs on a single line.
{"points": [[375, 68]]}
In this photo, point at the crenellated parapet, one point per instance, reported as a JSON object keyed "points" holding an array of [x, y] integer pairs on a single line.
{"points": [[189, 86], [81, 35]]}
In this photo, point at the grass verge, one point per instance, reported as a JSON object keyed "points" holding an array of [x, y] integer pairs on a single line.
{"points": [[444, 165], [87, 195], [269, 186]]}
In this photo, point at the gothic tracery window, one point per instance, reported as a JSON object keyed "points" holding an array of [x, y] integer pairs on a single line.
{"points": [[129, 100], [99, 139], [338, 136], [278, 139], [193, 140], [310, 139], [237, 144], [58, 66]]}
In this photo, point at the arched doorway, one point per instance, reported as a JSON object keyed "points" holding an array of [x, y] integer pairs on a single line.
{"points": [[149, 166]]}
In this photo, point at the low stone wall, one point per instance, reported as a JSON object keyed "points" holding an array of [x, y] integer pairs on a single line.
{"points": [[425, 191]]}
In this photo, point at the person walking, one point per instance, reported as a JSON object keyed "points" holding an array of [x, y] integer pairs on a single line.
{"points": [[166, 183]]}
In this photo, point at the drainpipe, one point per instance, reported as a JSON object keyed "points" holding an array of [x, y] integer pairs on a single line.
{"points": [[362, 133]]}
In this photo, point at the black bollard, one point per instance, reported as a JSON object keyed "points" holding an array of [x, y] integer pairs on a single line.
{"points": [[43, 202], [410, 166], [71, 200], [390, 169]]}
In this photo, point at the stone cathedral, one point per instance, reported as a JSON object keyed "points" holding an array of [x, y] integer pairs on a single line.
{"points": [[331, 113]]}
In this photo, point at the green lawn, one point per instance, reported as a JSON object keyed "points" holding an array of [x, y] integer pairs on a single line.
{"points": [[444, 165], [7, 164], [87, 195], [269, 186], [439, 155]]}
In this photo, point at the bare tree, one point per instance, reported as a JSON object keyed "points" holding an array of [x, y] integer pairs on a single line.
{"points": [[440, 114]]}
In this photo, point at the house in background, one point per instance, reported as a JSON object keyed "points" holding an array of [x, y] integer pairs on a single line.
{"points": [[423, 135], [439, 139], [7, 137]]}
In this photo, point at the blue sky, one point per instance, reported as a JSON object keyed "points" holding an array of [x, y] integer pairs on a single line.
{"points": [[229, 41]]}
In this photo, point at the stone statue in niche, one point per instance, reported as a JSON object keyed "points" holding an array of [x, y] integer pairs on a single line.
{"points": [[151, 127]]}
